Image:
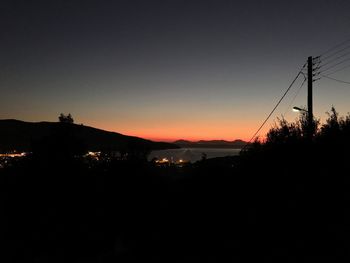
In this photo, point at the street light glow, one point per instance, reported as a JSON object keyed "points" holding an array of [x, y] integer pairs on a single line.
{"points": [[297, 109]]}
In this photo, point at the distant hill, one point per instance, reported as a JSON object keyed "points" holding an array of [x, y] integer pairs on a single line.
{"points": [[20, 136], [210, 144]]}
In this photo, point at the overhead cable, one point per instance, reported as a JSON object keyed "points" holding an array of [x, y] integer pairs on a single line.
{"points": [[273, 110]]}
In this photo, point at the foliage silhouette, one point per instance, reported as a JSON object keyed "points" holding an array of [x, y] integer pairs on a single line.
{"points": [[65, 118]]}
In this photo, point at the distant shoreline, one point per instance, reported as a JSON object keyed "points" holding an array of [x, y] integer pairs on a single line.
{"points": [[193, 154], [211, 146], [221, 144]]}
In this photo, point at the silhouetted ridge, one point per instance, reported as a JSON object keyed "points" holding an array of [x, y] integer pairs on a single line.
{"points": [[211, 144], [20, 135]]}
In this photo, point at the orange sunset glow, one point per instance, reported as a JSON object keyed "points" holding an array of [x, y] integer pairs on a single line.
{"points": [[188, 131]]}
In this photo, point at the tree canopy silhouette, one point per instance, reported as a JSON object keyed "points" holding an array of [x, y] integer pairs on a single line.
{"points": [[65, 118]]}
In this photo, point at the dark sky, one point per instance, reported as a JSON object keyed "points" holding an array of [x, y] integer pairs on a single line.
{"points": [[166, 69]]}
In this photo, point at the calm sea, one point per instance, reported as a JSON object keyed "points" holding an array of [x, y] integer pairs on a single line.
{"points": [[192, 154]]}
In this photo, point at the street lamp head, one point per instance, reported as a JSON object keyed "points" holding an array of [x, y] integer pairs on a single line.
{"points": [[297, 109]]}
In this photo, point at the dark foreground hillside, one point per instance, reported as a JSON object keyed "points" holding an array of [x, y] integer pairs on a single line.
{"points": [[127, 211], [287, 200]]}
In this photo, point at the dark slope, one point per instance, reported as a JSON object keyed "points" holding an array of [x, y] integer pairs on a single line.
{"points": [[20, 136]]}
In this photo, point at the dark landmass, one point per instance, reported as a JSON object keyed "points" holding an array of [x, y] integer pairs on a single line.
{"points": [[236, 144], [286, 199], [20, 136]]}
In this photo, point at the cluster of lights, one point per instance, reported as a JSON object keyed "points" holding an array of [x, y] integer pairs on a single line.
{"points": [[163, 161], [167, 161], [13, 155], [4, 157], [94, 155]]}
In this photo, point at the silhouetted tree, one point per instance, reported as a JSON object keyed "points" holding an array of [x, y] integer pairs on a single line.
{"points": [[335, 133], [332, 125], [284, 132], [289, 132], [65, 118]]}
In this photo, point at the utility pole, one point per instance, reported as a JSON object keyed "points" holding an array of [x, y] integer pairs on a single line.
{"points": [[309, 96]]}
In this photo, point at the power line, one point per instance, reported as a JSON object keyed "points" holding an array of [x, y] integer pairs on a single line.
{"points": [[273, 110], [335, 59], [341, 62], [340, 69], [295, 95], [335, 53], [335, 47], [338, 80]]}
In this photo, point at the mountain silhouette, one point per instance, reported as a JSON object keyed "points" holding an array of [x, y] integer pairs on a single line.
{"points": [[20, 135], [210, 144]]}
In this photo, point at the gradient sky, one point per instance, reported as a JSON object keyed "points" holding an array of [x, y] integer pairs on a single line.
{"points": [[166, 70]]}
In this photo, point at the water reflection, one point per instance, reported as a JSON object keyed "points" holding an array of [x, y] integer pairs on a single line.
{"points": [[192, 154]]}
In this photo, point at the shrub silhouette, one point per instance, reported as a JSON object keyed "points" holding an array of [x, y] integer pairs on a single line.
{"points": [[285, 132]]}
